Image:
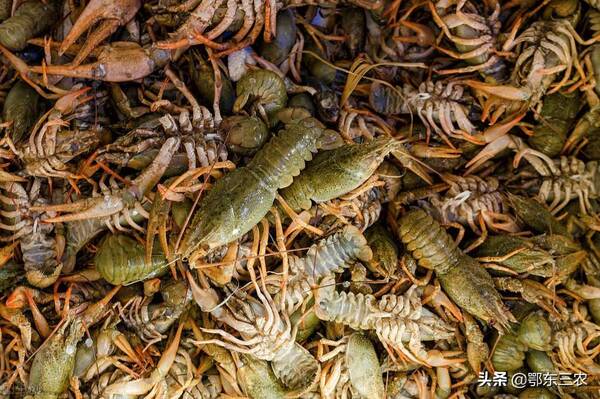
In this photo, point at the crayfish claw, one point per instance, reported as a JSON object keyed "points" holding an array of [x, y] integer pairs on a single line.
{"points": [[413, 164], [488, 152], [498, 130], [113, 13], [590, 120], [505, 92], [68, 102], [424, 35], [436, 358], [484, 301], [441, 300], [206, 298], [533, 292], [117, 62], [422, 150]]}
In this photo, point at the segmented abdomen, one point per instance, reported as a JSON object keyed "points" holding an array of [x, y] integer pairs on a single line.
{"points": [[463, 279], [297, 369], [330, 255], [401, 305], [263, 85], [468, 196], [393, 317], [37, 241], [334, 173], [285, 155], [573, 176], [67, 145], [79, 233], [354, 310], [30, 19], [428, 242], [333, 254], [459, 184]]}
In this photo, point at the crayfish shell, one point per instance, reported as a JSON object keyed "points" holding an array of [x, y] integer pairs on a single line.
{"points": [[120, 260], [257, 380], [363, 367], [299, 370]]}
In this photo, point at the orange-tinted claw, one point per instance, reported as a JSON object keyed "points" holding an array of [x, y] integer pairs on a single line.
{"points": [[123, 344], [424, 35], [436, 358], [575, 137], [488, 152], [72, 100], [105, 29], [17, 63], [40, 321], [496, 131], [17, 298], [422, 150], [117, 62], [439, 299], [93, 312], [113, 12], [589, 120], [157, 224], [7, 252], [88, 71], [506, 92]]}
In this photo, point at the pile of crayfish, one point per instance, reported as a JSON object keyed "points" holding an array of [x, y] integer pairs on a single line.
{"points": [[300, 199]]}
